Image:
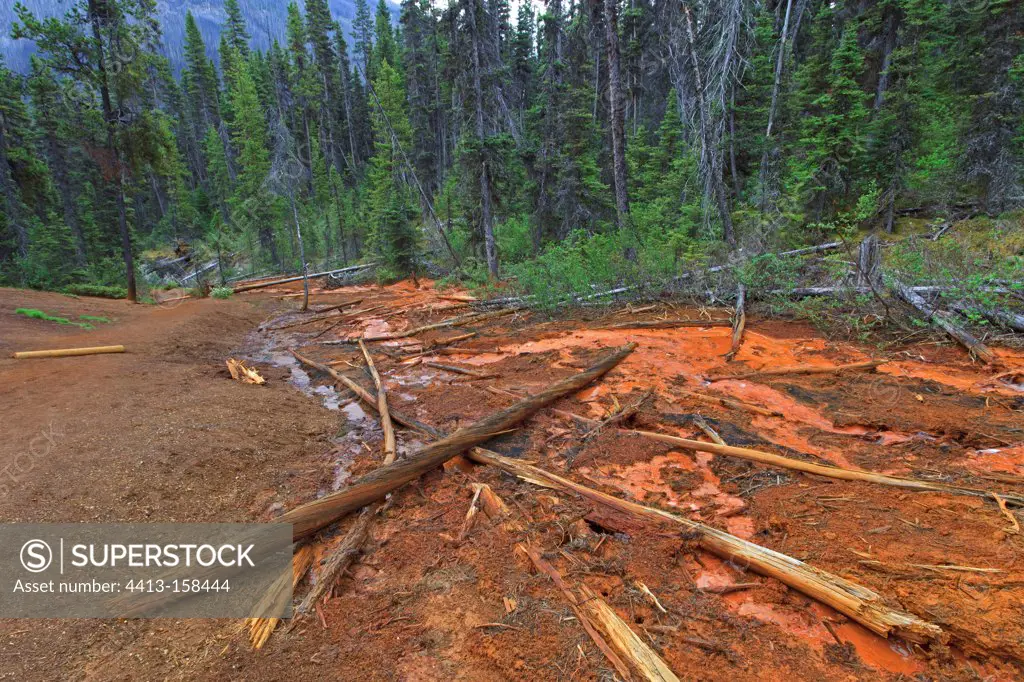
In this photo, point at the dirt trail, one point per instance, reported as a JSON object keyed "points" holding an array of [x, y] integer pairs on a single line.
{"points": [[162, 434]]}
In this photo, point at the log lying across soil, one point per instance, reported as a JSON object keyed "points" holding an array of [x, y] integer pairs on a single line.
{"points": [[472, 318], [855, 601], [620, 645], [825, 469], [66, 352], [801, 369], [313, 516], [941, 319], [667, 324], [296, 278]]}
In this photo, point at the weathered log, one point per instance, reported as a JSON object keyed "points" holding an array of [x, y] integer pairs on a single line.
{"points": [[1003, 318], [296, 278], [826, 469], [739, 322], [800, 369], [730, 403], [667, 324], [460, 370], [311, 517], [460, 321], [941, 318], [613, 637], [66, 352], [857, 602], [341, 558], [390, 447]]}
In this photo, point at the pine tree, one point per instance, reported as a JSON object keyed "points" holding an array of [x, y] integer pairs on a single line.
{"points": [[393, 236], [237, 35]]}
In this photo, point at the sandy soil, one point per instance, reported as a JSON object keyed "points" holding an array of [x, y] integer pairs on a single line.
{"points": [[161, 433]]}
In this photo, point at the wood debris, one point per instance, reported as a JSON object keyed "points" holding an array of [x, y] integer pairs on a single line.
{"points": [[247, 375]]}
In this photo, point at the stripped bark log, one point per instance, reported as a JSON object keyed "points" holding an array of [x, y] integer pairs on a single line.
{"points": [[730, 403], [825, 469], [739, 322], [390, 448], [311, 517], [260, 629], [66, 352], [708, 431], [859, 603], [460, 321], [287, 280], [799, 369], [340, 559], [941, 319], [460, 370], [603, 625], [667, 324], [855, 601]]}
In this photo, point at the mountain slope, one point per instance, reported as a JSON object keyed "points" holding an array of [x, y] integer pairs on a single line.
{"points": [[265, 19]]}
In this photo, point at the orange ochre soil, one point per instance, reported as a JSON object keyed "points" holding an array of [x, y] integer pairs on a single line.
{"points": [[162, 433]]}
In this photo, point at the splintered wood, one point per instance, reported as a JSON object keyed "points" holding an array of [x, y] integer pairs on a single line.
{"points": [[247, 375]]}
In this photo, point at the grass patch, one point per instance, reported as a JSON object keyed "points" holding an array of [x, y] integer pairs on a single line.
{"points": [[222, 292], [40, 315], [94, 318]]}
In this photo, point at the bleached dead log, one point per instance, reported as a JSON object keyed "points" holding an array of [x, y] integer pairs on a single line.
{"points": [[826, 470], [296, 278], [941, 319], [800, 369]]}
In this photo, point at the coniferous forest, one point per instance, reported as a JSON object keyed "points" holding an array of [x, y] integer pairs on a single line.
{"points": [[564, 145]]}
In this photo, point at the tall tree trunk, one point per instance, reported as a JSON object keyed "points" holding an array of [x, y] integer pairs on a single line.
{"points": [[111, 125], [717, 182], [616, 112], [10, 193], [490, 246], [302, 250]]}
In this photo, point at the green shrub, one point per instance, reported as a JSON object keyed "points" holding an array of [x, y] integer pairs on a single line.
{"points": [[222, 292], [98, 290]]}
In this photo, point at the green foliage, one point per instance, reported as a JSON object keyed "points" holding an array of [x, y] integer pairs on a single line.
{"points": [[40, 315], [222, 292], [98, 290], [94, 318]]}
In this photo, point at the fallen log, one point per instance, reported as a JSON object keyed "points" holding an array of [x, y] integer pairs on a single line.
{"points": [[260, 629], [855, 601], [613, 637], [739, 322], [460, 370], [941, 319], [311, 517], [859, 603], [341, 558], [390, 447], [825, 469], [667, 324], [296, 278], [799, 369], [66, 352], [1003, 318], [730, 403], [452, 322]]}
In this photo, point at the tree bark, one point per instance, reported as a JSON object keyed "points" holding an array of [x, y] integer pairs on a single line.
{"points": [[616, 112], [486, 217], [717, 183]]}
